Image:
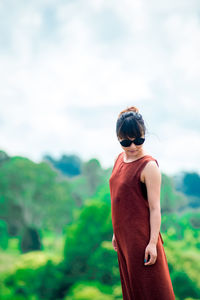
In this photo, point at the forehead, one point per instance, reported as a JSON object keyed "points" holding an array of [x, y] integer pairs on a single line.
{"points": [[130, 138]]}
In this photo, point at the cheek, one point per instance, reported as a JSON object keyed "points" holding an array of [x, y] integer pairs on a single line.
{"points": [[140, 147]]}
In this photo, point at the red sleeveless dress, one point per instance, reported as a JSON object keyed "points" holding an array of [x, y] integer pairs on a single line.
{"points": [[131, 226]]}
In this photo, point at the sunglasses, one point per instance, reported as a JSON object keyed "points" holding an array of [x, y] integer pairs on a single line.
{"points": [[137, 141]]}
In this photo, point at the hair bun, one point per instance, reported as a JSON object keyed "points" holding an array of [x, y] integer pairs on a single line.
{"points": [[133, 108], [130, 108]]}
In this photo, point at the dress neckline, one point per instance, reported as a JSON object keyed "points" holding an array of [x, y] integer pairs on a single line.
{"points": [[130, 162]]}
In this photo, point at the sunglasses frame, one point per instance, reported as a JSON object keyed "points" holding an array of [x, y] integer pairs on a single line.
{"points": [[134, 142]]}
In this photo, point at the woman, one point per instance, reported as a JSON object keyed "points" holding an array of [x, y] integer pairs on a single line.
{"points": [[135, 204]]}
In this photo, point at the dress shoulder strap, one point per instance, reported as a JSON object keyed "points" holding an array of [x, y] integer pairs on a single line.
{"points": [[142, 163]]}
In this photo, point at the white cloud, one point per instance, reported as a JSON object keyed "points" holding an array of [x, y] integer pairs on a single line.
{"points": [[68, 58]]}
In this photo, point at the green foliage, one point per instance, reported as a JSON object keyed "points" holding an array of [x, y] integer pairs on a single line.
{"points": [[37, 203], [89, 182], [176, 225], [102, 265], [85, 253], [103, 193], [90, 291], [195, 220], [86, 235], [3, 157], [92, 171], [79, 189], [33, 274], [69, 165], [183, 286], [3, 234], [170, 224], [170, 199], [189, 184], [183, 254], [30, 240], [33, 197], [90, 257]]}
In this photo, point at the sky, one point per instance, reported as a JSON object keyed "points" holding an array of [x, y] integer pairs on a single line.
{"points": [[69, 67]]}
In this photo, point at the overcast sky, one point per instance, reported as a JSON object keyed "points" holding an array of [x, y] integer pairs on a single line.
{"points": [[69, 67]]}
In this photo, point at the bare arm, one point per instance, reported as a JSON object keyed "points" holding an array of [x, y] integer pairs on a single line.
{"points": [[152, 177]]}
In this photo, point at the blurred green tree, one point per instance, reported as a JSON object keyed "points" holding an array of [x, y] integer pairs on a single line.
{"points": [[171, 200], [3, 235], [183, 286], [32, 196], [69, 165]]}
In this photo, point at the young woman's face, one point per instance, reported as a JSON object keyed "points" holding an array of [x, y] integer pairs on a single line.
{"points": [[132, 149]]}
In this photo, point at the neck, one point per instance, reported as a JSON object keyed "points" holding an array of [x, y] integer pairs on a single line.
{"points": [[134, 155]]}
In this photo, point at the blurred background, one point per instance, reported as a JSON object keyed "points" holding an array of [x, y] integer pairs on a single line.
{"points": [[67, 70]]}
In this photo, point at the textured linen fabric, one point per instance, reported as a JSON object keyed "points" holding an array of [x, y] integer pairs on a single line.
{"points": [[131, 226]]}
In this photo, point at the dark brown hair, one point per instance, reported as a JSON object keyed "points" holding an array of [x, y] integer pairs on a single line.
{"points": [[130, 123]]}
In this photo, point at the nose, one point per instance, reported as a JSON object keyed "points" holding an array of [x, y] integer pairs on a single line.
{"points": [[133, 146]]}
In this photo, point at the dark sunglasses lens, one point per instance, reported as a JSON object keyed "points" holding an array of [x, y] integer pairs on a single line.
{"points": [[139, 141], [125, 143]]}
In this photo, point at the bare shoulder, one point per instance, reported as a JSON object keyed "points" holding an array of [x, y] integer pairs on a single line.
{"points": [[150, 171], [151, 165]]}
